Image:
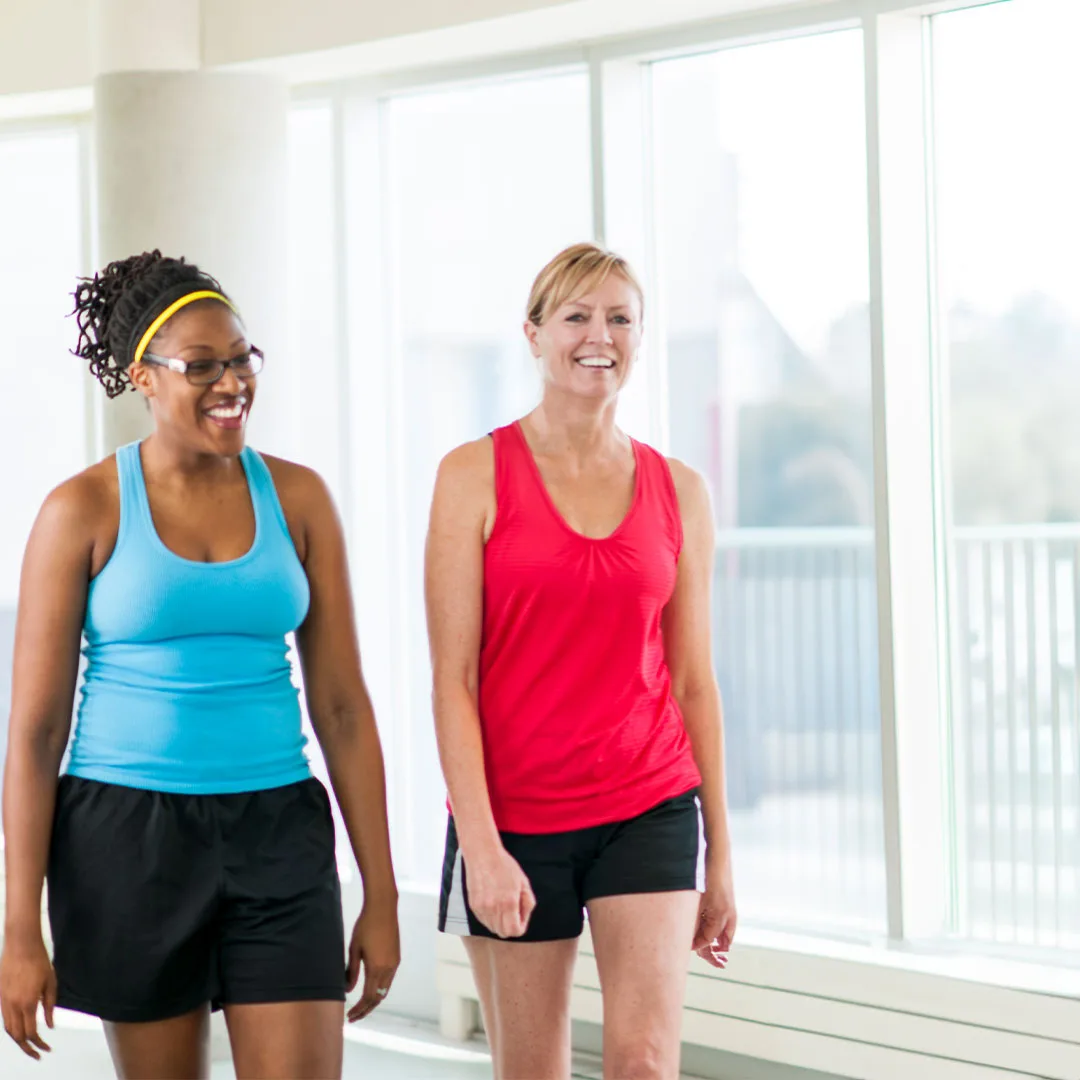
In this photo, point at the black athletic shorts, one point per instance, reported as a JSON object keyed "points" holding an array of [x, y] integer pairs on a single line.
{"points": [[657, 851], [160, 903]]}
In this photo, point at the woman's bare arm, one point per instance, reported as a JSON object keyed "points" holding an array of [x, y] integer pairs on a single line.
{"points": [[462, 514], [688, 648], [52, 600], [344, 722], [454, 589]]}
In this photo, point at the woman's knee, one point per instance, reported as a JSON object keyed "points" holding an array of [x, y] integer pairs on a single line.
{"points": [[641, 1054], [294, 1039]]}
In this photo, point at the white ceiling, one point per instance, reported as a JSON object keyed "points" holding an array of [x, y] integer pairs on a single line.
{"points": [[47, 44]]}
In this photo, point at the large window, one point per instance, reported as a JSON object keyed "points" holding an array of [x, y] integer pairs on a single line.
{"points": [[1005, 91], [762, 237], [484, 185], [43, 428], [783, 239]]}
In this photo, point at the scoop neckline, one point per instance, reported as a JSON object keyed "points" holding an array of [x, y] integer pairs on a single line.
{"points": [[557, 514], [156, 536]]}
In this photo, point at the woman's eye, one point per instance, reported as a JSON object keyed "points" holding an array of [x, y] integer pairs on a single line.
{"points": [[622, 320], [200, 367], [576, 317]]}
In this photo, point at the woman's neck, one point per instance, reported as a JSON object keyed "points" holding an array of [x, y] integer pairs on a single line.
{"points": [[575, 428], [164, 457]]}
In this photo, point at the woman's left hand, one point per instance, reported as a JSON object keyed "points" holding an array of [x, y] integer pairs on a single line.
{"points": [[716, 912], [376, 946]]}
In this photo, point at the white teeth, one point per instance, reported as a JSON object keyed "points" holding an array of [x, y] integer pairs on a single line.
{"points": [[596, 362], [228, 412]]}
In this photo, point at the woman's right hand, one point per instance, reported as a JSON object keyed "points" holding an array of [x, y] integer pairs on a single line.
{"points": [[27, 978], [500, 895]]}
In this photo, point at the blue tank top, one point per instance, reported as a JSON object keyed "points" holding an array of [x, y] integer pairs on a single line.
{"points": [[188, 683]]}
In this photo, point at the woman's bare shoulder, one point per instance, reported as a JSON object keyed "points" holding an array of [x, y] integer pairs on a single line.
{"points": [[465, 486], [690, 485], [292, 480], [87, 497], [471, 463], [81, 516]]}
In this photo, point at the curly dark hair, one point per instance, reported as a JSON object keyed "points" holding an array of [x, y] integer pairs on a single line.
{"points": [[116, 306]]}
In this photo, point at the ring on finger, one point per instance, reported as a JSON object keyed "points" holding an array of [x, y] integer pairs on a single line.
{"points": [[382, 991]]}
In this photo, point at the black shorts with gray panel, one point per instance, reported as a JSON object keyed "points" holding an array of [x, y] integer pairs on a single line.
{"points": [[657, 851]]}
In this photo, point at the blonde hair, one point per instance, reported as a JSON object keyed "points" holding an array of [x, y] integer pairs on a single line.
{"points": [[575, 271]]}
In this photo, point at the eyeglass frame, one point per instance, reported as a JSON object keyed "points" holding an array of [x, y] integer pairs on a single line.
{"points": [[181, 366]]}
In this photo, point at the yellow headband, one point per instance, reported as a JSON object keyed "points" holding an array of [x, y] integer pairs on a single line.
{"points": [[170, 311]]}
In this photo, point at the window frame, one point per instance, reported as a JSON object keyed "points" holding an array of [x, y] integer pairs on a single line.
{"points": [[81, 125], [908, 478]]}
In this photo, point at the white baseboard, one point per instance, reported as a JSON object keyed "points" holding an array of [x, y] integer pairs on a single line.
{"points": [[850, 1018]]}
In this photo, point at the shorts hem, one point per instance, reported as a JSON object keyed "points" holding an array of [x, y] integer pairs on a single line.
{"points": [[455, 927], [111, 1013], [642, 890], [281, 996], [528, 939]]}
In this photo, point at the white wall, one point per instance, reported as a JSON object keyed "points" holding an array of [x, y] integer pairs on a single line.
{"points": [[239, 30], [48, 44], [44, 45]]}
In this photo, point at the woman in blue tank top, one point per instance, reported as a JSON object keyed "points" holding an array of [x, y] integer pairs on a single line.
{"points": [[188, 849]]}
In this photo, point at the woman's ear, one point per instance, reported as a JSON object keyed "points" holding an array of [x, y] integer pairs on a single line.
{"points": [[531, 330], [139, 375]]}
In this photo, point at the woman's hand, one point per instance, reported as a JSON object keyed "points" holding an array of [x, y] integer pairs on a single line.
{"points": [[26, 978], [500, 895], [716, 912], [376, 946]]}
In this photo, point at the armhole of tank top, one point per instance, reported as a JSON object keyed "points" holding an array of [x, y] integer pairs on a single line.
{"points": [[264, 497], [673, 499], [127, 494], [496, 457]]}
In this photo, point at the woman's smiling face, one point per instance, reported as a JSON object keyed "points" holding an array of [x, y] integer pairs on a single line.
{"points": [[208, 419], [587, 346]]}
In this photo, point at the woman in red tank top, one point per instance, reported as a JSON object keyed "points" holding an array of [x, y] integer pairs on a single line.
{"points": [[576, 708]]}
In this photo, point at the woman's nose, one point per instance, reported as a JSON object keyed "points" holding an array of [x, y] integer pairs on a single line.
{"points": [[230, 382], [599, 329]]}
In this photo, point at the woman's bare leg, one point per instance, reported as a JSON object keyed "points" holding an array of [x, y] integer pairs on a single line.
{"points": [[289, 1040], [642, 945], [525, 996], [174, 1049]]}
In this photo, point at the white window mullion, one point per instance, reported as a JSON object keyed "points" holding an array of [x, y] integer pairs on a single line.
{"points": [[913, 744], [953, 778], [340, 312], [596, 148], [93, 395], [623, 208], [373, 359]]}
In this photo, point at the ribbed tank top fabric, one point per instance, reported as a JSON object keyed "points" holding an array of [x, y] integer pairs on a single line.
{"points": [[579, 724], [188, 686]]}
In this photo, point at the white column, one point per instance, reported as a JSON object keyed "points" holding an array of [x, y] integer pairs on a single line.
{"points": [[194, 163], [189, 161]]}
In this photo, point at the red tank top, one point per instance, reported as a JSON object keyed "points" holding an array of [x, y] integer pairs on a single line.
{"points": [[579, 724]]}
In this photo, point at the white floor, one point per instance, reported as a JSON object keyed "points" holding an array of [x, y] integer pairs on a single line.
{"points": [[383, 1048], [386, 1048]]}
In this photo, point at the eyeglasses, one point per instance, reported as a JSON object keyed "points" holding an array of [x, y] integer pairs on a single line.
{"points": [[208, 372]]}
